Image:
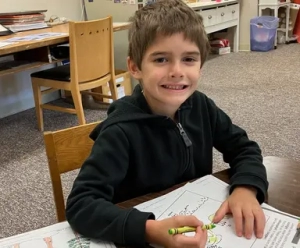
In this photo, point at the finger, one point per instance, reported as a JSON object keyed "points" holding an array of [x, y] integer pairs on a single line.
{"points": [[187, 220], [238, 220], [260, 222], [203, 238], [196, 240], [221, 212], [249, 222]]}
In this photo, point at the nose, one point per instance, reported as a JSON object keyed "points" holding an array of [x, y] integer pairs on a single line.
{"points": [[176, 70]]}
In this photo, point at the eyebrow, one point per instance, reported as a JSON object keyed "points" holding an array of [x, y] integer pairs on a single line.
{"points": [[159, 53]]}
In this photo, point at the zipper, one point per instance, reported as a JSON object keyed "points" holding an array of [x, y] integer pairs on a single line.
{"points": [[184, 136], [187, 147], [187, 143]]}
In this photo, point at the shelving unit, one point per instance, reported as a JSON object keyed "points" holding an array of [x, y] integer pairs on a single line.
{"points": [[275, 6], [219, 16]]}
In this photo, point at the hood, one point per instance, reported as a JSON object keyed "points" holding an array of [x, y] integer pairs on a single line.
{"points": [[130, 108]]}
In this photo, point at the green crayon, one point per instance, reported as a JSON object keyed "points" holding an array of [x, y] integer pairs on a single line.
{"points": [[186, 229]]}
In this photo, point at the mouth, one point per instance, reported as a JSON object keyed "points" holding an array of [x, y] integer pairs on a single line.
{"points": [[175, 87]]}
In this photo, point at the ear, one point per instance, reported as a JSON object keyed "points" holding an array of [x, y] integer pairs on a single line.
{"points": [[133, 69]]}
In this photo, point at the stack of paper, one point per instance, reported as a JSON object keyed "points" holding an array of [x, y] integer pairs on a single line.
{"points": [[23, 22]]}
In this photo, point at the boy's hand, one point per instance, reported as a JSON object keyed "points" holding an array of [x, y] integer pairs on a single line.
{"points": [[157, 232], [246, 210]]}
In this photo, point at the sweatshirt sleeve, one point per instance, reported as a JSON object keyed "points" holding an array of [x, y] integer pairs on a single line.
{"points": [[89, 208], [242, 154]]}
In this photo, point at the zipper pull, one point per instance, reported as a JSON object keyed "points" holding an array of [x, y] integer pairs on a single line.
{"points": [[183, 134]]}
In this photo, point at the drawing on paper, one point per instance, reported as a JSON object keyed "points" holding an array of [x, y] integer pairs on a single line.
{"points": [[223, 235], [48, 241], [13, 246], [54, 236], [79, 242], [213, 239], [189, 209], [224, 222]]}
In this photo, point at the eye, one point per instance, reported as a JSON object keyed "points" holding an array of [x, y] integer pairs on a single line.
{"points": [[160, 60], [189, 59]]}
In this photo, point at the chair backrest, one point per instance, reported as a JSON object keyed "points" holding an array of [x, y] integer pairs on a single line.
{"points": [[66, 150], [91, 49]]}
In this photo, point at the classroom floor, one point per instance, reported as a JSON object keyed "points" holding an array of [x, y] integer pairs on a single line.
{"points": [[260, 91]]}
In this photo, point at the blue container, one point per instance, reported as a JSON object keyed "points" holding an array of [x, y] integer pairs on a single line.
{"points": [[263, 32]]}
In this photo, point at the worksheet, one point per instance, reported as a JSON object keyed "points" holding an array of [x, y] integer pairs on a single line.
{"points": [[203, 197], [280, 232], [56, 236]]}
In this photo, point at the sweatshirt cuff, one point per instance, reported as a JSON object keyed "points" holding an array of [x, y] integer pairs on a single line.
{"points": [[253, 181], [134, 232]]}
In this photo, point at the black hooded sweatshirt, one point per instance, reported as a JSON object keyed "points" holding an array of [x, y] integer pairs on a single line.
{"points": [[137, 152]]}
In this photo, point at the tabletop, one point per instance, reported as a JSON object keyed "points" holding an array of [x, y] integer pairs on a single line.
{"points": [[284, 185], [284, 194], [64, 38]]}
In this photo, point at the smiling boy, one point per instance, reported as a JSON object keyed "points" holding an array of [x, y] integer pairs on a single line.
{"points": [[162, 135]]}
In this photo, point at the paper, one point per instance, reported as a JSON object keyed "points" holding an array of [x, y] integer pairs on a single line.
{"points": [[59, 236], [4, 43], [203, 197], [40, 36], [2, 29], [159, 205]]}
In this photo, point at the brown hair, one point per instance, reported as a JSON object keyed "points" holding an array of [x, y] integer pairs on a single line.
{"points": [[165, 17]]}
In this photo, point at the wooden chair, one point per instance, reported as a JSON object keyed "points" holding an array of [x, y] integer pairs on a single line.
{"points": [[66, 150], [91, 66]]}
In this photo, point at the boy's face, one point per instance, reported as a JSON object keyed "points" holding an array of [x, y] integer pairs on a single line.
{"points": [[170, 71]]}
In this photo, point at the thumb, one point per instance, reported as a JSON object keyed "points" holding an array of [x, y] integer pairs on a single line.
{"points": [[221, 212]]}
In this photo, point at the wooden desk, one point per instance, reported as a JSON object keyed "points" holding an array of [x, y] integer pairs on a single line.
{"points": [[38, 50], [284, 179], [284, 194], [284, 186], [36, 53]]}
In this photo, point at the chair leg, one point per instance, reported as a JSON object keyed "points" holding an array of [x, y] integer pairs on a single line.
{"points": [[38, 109], [78, 106], [113, 89]]}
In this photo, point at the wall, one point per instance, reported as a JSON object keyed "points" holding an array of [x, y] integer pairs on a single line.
{"points": [[15, 89], [7, 6], [249, 9]]}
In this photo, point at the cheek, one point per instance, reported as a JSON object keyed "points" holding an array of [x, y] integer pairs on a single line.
{"points": [[155, 75], [195, 74]]}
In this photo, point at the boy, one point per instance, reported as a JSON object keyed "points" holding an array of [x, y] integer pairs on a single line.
{"points": [[163, 135]]}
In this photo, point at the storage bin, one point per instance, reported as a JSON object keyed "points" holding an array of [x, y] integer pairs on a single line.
{"points": [[263, 32], [123, 84]]}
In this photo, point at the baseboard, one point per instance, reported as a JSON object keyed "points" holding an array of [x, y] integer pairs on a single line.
{"points": [[25, 104]]}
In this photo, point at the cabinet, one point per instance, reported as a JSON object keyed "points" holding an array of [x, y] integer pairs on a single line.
{"points": [[219, 16]]}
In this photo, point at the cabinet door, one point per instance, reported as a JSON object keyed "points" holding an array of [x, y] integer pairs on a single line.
{"points": [[209, 17], [227, 13], [233, 11]]}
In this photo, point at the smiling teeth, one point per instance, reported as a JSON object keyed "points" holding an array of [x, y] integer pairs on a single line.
{"points": [[173, 87]]}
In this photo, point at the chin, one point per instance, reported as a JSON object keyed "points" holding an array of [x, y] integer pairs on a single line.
{"points": [[173, 101]]}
